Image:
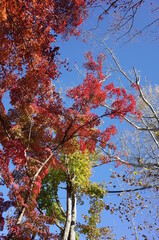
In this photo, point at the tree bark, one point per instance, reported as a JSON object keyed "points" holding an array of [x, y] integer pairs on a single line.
{"points": [[73, 217], [68, 213]]}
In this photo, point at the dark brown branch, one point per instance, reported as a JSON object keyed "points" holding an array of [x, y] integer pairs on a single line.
{"points": [[56, 223], [104, 12], [141, 30], [131, 190]]}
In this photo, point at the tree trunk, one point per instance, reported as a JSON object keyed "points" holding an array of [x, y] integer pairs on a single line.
{"points": [[73, 217], [68, 213]]}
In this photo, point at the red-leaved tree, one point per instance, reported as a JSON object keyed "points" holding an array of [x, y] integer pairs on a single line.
{"points": [[37, 127]]}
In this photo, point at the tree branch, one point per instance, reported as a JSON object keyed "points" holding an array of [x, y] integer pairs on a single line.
{"points": [[131, 190]]}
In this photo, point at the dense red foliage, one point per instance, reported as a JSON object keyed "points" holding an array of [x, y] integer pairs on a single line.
{"points": [[37, 126]]}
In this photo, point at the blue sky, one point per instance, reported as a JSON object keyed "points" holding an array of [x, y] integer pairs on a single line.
{"points": [[142, 53]]}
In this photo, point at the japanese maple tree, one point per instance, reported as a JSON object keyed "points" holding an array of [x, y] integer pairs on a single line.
{"points": [[38, 129]]}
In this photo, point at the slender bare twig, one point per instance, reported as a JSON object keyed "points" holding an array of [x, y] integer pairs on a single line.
{"points": [[143, 97], [141, 30], [131, 190], [116, 62]]}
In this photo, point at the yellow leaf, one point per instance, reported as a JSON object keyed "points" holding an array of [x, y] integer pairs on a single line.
{"points": [[139, 183], [3, 13]]}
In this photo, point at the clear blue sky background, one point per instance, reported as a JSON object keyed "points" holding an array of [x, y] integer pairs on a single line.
{"points": [[143, 54]]}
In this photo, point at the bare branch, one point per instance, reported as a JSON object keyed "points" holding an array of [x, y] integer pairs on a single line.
{"points": [[141, 30], [106, 11], [131, 190], [60, 206], [143, 98], [141, 128], [117, 63]]}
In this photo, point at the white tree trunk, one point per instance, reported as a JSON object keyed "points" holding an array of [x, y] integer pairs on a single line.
{"points": [[68, 213], [73, 218]]}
